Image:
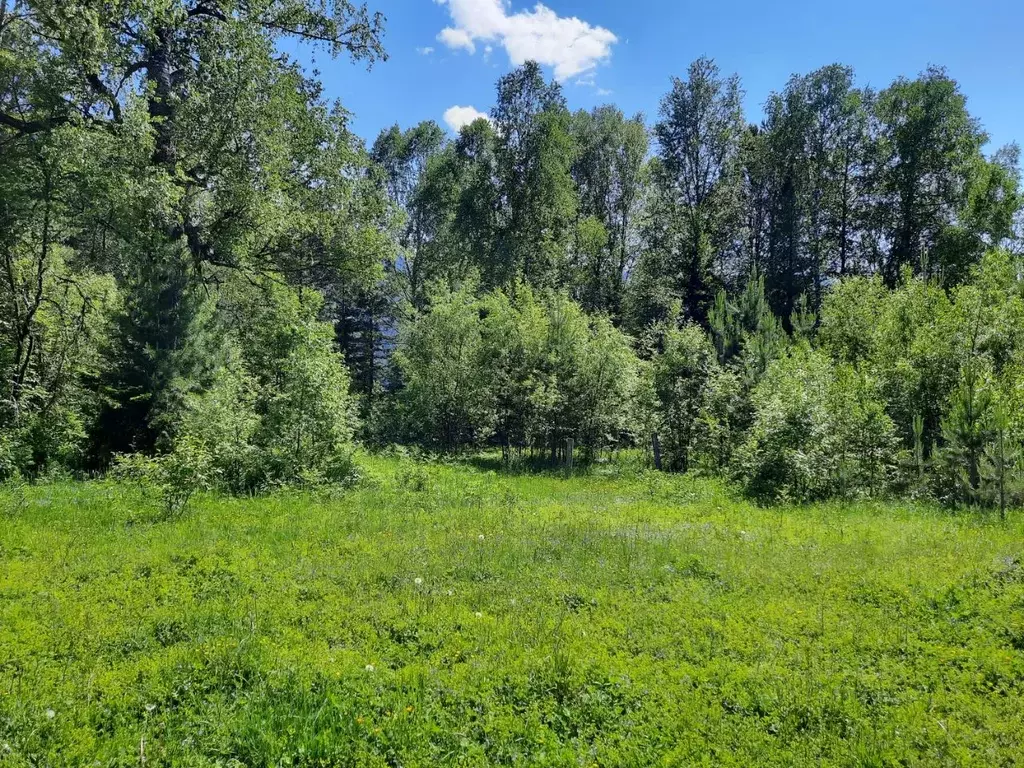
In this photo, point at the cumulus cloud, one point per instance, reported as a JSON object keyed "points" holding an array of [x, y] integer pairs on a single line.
{"points": [[425, 51], [568, 44], [459, 117], [457, 38]]}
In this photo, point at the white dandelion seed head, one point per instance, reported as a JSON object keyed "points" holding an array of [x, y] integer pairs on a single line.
{"points": [[417, 581], [370, 668], [479, 615], [50, 714], [481, 537]]}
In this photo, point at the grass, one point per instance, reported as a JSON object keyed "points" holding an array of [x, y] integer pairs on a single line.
{"points": [[445, 615]]}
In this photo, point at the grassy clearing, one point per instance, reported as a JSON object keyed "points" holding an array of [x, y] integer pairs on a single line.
{"points": [[445, 615]]}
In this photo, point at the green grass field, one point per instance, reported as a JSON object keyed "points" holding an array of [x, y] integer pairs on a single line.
{"points": [[447, 615]]}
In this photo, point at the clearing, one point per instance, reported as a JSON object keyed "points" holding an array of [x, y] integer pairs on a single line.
{"points": [[450, 615]]}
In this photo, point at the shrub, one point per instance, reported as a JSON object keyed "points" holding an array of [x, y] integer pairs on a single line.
{"points": [[589, 378], [681, 395], [171, 479], [279, 411], [514, 338], [523, 370], [819, 430], [442, 402]]}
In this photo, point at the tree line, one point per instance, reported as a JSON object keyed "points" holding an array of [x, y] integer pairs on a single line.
{"points": [[208, 277]]}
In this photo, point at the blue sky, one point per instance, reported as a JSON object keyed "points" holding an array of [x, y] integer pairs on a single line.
{"points": [[625, 52]]}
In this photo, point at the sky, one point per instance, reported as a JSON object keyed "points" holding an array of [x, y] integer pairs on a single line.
{"points": [[445, 56]]}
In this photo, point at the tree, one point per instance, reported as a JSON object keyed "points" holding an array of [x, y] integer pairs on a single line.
{"points": [[608, 171], [515, 333], [404, 159], [166, 345], [815, 140], [442, 399], [54, 310], [589, 374], [536, 194], [819, 430], [1000, 469], [987, 219], [699, 138], [176, 147], [968, 430], [926, 156]]}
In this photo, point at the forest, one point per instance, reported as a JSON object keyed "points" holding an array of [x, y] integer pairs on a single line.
{"points": [[211, 283]]}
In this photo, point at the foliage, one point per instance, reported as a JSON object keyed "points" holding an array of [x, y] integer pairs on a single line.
{"points": [[681, 381], [820, 429], [514, 339], [529, 371], [590, 376], [442, 402], [202, 265]]}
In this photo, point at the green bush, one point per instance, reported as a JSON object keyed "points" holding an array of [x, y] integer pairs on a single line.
{"points": [[515, 331], [820, 430], [590, 375], [681, 385], [280, 411], [522, 370], [169, 480], [442, 402]]}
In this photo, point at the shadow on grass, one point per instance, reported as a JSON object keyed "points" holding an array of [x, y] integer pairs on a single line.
{"points": [[543, 464]]}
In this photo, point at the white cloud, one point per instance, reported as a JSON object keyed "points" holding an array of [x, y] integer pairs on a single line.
{"points": [[568, 44], [425, 51], [456, 38], [604, 92], [458, 118]]}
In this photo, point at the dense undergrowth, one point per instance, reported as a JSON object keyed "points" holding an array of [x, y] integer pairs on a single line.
{"points": [[444, 614]]}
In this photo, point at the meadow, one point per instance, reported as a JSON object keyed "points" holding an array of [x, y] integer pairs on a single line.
{"points": [[445, 614]]}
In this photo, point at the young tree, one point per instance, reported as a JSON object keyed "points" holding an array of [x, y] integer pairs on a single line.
{"points": [[515, 333], [967, 430], [442, 401], [590, 375], [681, 378]]}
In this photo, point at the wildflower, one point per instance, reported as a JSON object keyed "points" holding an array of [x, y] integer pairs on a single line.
{"points": [[370, 668], [409, 709], [360, 720], [481, 537], [417, 581]]}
